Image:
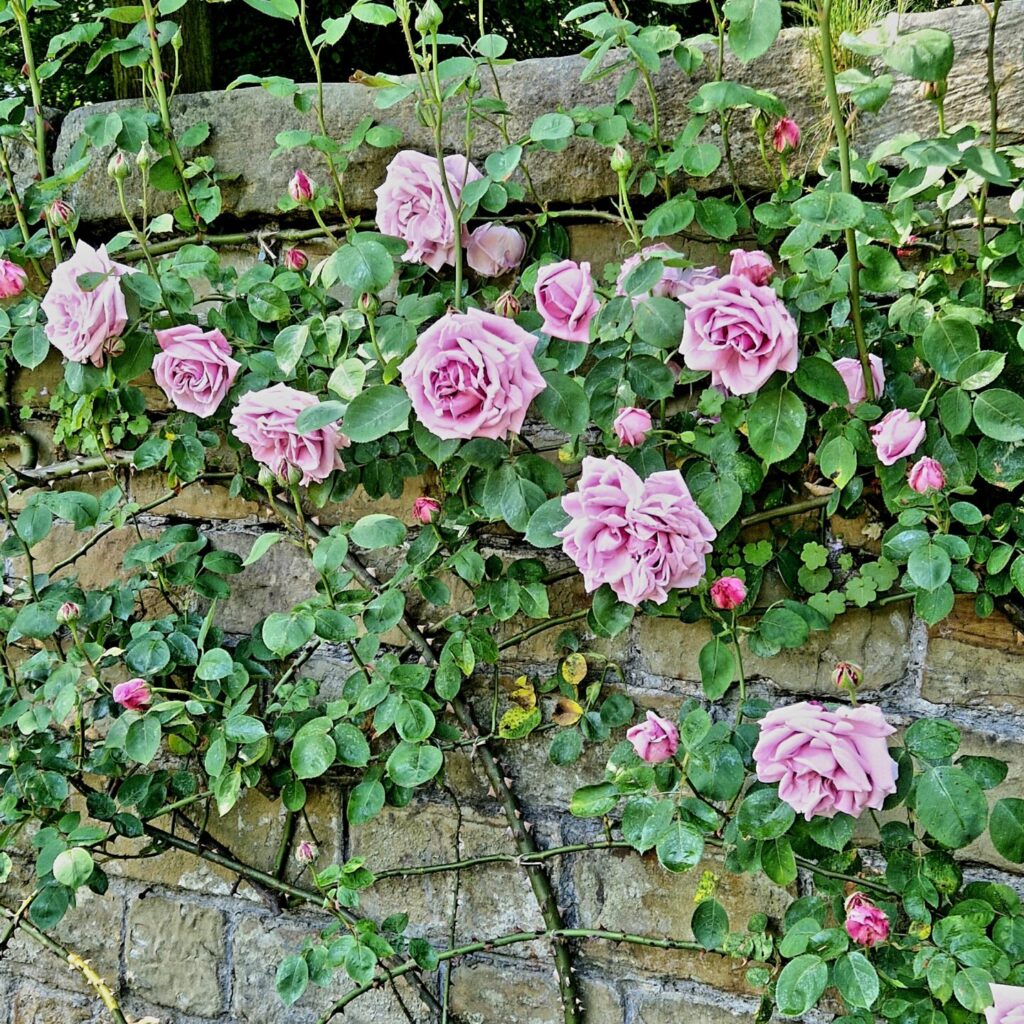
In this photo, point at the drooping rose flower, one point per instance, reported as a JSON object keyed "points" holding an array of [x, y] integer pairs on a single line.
{"points": [[655, 740], [632, 426], [641, 537], [728, 593], [424, 509], [565, 298], [865, 923], [265, 421], [785, 135], [472, 374], [1008, 1005], [926, 475], [79, 322], [897, 435], [306, 852], [756, 266], [12, 279], [853, 377], [302, 188], [674, 283], [411, 205], [739, 331], [827, 761], [494, 249], [133, 695], [194, 368]]}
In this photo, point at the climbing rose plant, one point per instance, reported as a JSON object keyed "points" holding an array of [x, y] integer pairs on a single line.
{"points": [[632, 427]]}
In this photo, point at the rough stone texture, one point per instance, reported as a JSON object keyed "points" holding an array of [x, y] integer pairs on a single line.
{"points": [[31, 1005]]}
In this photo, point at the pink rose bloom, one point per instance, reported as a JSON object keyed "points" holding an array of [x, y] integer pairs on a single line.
{"points": [[865, 923], [411, 205], [265, 421], [565, 298], [494, 249], [728, 593], [79, 323], [631, 426], [785, 135], [194, 369], [133, 695], [897, 435], [755, 266], [655, 740], [674, 283], [926, 475], [472, 374], [641, 537], [853, 377], [827, 761], [425, 509], [739, 331], [1009, 1005], [12, 279]]}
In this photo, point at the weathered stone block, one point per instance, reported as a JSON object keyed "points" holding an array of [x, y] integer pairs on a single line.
{"points": [[668, 1006], [31, 1005], [175, 954]]}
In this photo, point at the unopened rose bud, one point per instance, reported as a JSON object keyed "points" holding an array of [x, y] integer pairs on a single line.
{"points": [[291, 476], [847, 676], [118, 167], [933, 91], [425, 510], [146, 156], [295, 259], [12, 279], [507, 305], [133, 695], [68, 612], [621, 161], [60, 213], [368, 304], [306, 852], [728, 593], [402, 10], [429, 19], [785, 135], [302, 188], [926, 475], [267, 479]]}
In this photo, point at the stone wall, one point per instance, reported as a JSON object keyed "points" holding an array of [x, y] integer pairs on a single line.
{"points": [[183, 941]]}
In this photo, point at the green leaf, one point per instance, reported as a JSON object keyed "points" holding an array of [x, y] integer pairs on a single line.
{"points": [[710, 924], [268, 303], [645, 821], [947, 341], [263, 543], [838, 461], [776, 423], [857, 980], [932, 739], [215, 664], [973, 989], [313, 750], [546, 520], [950, 806], [143, 739], [29, 346], [320, 415], [413, 764], [762, 815], [1006, 828], [594, 801], [563, 403], [926, 54], [820, 379], [73, 867], [778, 860], [753, 26], [929, 566], [378, 531], [830, 211], [659, 321], [285, 632], [999, 414], [351, 747], [378, 411], [292, 979], [364, 266], [365, 802], [717, 667], [608, 615], [552, 127], [801, 984]]}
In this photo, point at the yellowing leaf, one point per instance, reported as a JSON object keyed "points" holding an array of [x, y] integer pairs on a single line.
{"points": [[574, 669], [518, 722], [524, 694], [567, 712]]}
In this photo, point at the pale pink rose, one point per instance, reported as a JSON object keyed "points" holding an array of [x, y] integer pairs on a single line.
{"points": [[754, 265], [80, 323], [565, 298], [641, 537], [632, 426], [739, 331], [827, 761], [265, 421], [411, 205], [674, 283], [494, 249], [133, 695], [194, 368], [302, 188], [424, 510], [472, 374], [655, 740], [785, 135], [926, 475], [1009, 1005], [897, 435], [728, 593], [12, 279], [865, 923], [853, 377]]}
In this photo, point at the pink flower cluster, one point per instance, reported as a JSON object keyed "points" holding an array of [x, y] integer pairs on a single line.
{"points": [[827, 762], [472, 374], [1008, 1005], [641, 537]]}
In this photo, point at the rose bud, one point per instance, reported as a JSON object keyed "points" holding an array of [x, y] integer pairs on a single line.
{"points": [[926, 475], [507, 305], [728, 593], [60, 213], [866, 924], [429, 19], [68, 612], [302, 188], [146, 156], [909, 248], [785, 135], [424, 509], [655, 740], [133, 695], [118, 167], [368, 304], [621, 161], [631, 426], [296, 259], [847, 675], [12, 279], [306, 852]]}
